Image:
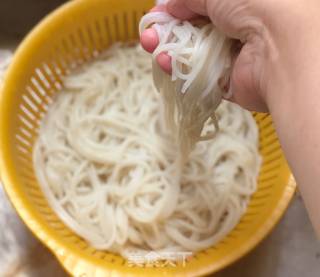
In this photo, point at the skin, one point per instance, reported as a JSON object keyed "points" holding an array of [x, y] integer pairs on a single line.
{"points": [[277, 70]]}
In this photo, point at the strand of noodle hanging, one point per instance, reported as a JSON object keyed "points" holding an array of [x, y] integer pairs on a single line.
{"points": [[201, 61]]}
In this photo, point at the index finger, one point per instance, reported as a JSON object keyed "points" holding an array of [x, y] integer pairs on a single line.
{"points": [[186, 10]]}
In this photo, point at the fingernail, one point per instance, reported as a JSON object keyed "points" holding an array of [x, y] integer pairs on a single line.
{"points": [[149, 40], [164, 60]]}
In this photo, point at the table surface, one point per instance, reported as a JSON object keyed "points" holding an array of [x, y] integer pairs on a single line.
{"points": [[291, 250]]}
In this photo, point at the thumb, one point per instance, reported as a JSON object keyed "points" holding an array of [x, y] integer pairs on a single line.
{"points": [[245, 79]]}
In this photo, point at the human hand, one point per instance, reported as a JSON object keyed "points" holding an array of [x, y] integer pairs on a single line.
{"points": [[239, 19]]}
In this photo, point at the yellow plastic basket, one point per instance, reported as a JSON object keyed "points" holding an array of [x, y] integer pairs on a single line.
{"points": [[70, 36]]}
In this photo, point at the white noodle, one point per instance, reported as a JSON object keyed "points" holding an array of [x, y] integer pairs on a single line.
{"points": [[195, 76], [111, 171]]}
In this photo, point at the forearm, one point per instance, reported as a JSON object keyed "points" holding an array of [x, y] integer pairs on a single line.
{"points": [[294, 103], [297, 124]]}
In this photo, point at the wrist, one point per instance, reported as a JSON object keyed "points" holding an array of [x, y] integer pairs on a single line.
{"points": [[292, 62]]}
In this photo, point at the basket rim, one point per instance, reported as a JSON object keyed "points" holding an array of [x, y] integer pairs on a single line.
{"points": [[71, 260]]}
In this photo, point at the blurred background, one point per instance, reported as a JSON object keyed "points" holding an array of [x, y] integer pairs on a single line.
{"points": [[17, 17], [291, 250]]}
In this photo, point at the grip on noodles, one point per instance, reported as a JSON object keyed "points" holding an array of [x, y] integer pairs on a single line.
{"points": [[200, 57]]}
